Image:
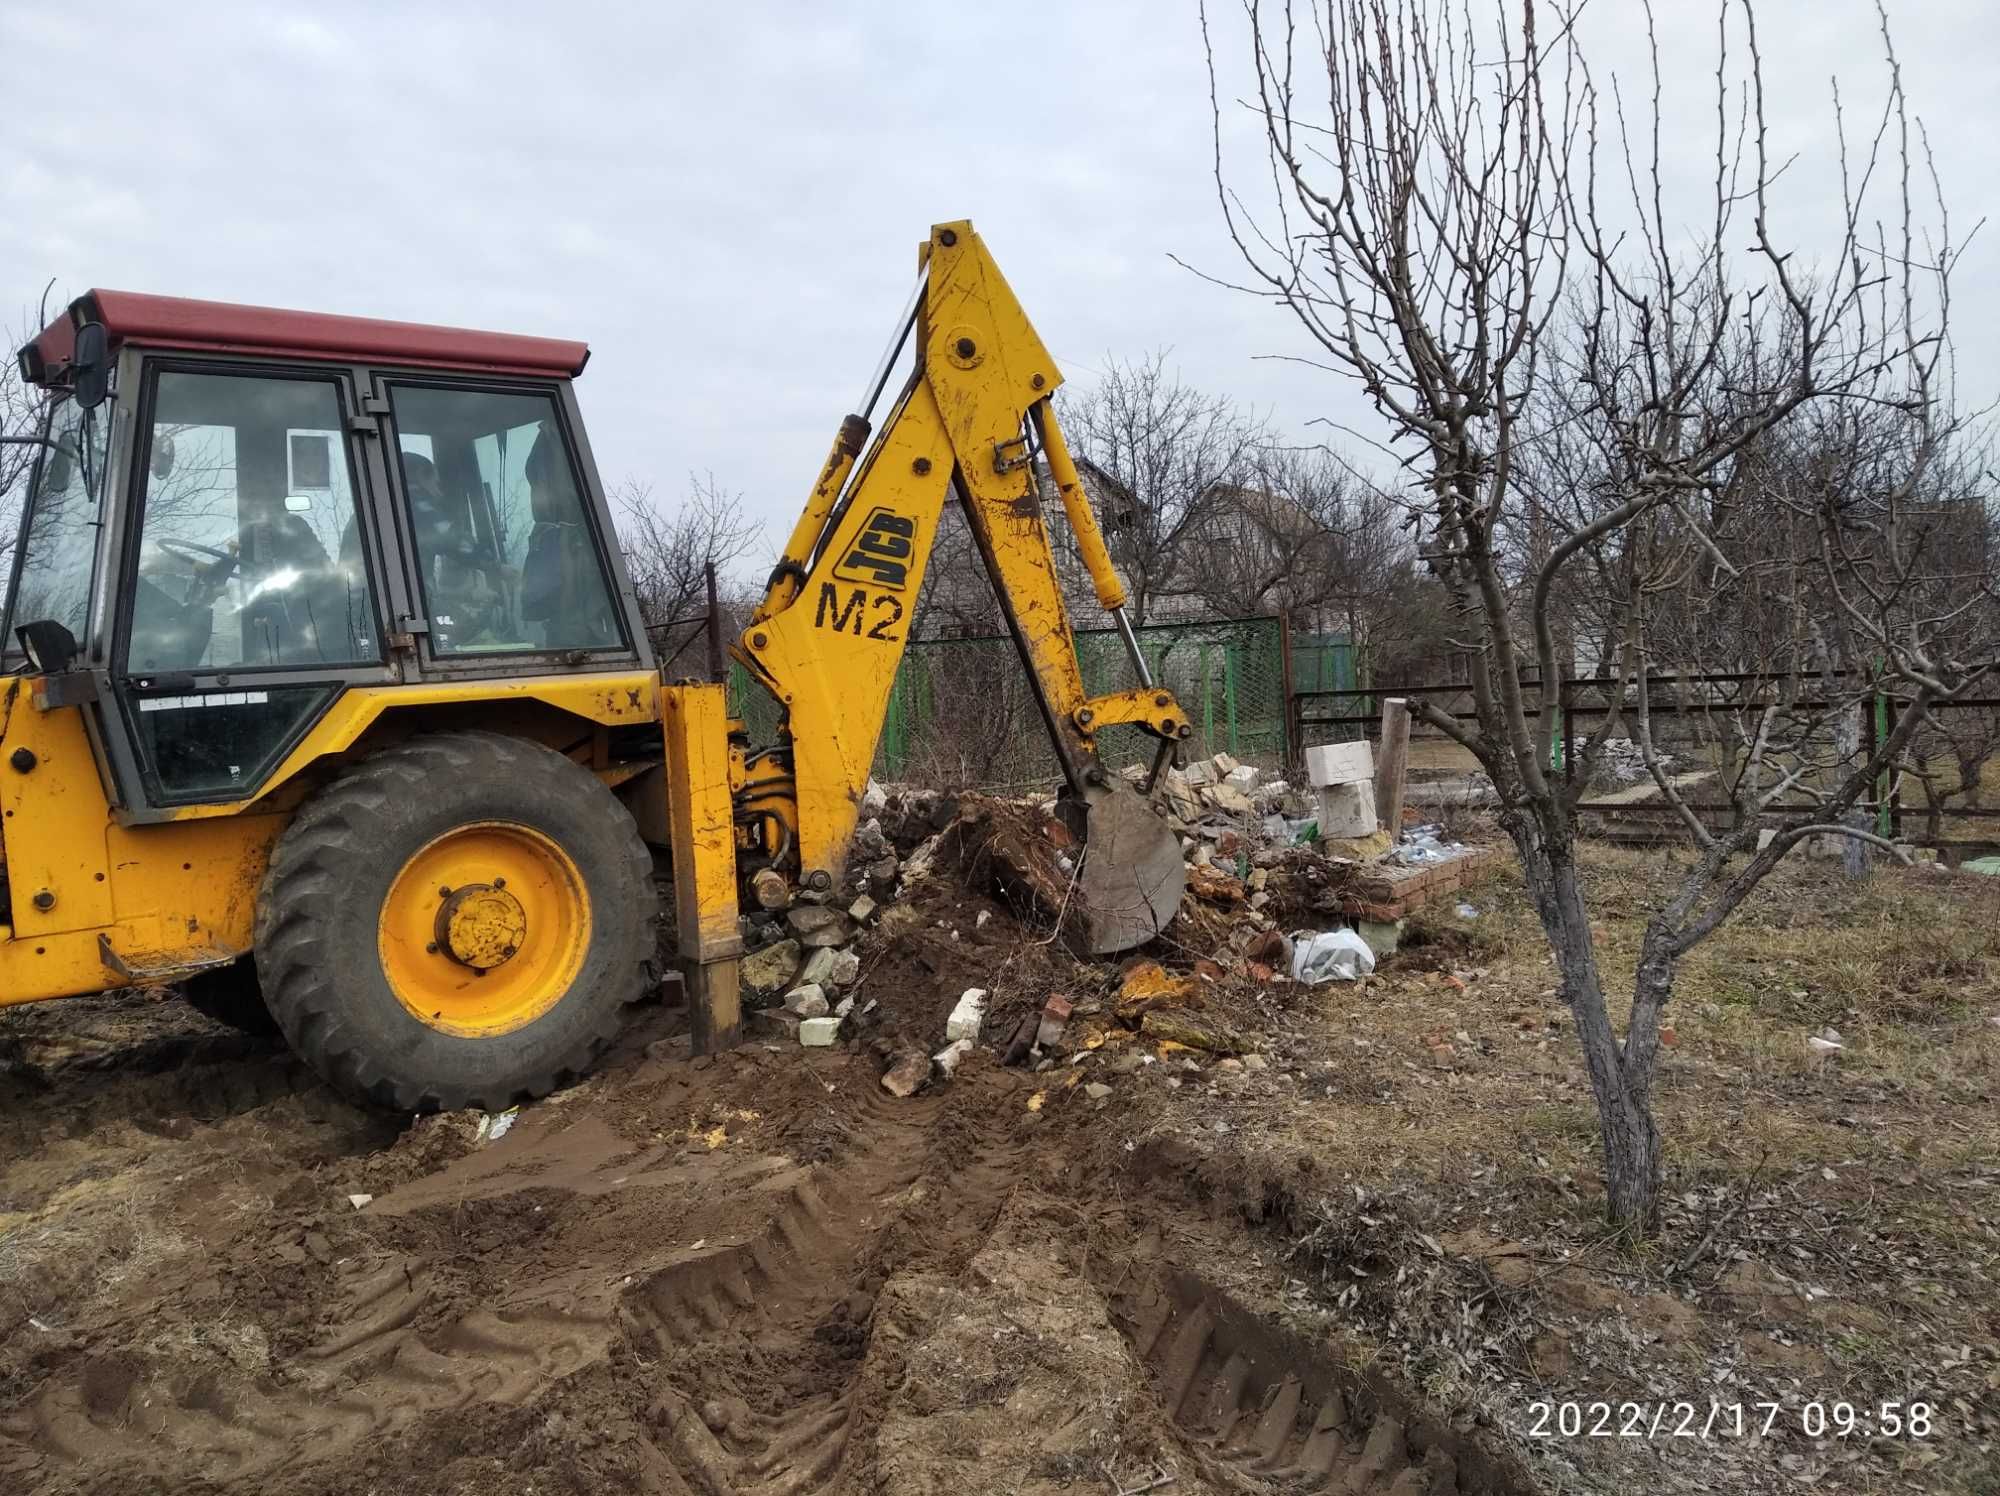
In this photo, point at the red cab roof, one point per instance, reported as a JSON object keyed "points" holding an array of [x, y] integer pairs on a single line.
{"points": [[224, 327]]}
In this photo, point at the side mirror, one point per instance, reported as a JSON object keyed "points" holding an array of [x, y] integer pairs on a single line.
{"points": [[90, 367], [50, 647]]}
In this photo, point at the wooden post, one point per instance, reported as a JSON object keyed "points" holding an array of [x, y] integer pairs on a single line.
{"points": [[718, 670], [1294, 747], [1392, 765]]}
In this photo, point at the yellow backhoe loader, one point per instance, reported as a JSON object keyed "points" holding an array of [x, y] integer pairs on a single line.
{"points": [[326, 694]]}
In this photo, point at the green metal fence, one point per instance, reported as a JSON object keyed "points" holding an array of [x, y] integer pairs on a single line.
{"points": [[961, 712]]}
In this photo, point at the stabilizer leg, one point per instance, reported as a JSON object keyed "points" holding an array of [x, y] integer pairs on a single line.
{"points": [[702, 825]]}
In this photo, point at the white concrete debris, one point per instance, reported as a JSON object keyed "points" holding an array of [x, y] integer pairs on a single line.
{"points": [[967, 1016], [1339, 763], [947, 1059], [818, 1033], [807, 1001], [1347, 809]]}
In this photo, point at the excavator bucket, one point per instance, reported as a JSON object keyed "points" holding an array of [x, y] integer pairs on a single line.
{"points": [[1132, 877]]}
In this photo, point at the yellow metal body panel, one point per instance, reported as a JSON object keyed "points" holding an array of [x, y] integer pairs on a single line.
{"points": [[623, 699], [156, 894], [1150, 707], [184, 891]]}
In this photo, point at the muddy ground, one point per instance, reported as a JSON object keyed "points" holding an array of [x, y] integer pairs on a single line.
{"points": [[1351, 1260]]}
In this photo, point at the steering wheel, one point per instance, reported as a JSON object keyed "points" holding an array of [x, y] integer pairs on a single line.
{"points": [[209, 575]]}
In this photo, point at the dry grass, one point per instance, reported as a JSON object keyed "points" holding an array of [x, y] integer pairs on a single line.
{"points": [[1831, 1229]]}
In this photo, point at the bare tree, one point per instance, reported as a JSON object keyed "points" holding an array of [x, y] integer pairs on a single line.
{"points": [[1161, 456], [1458, 227], [21, 409], [668, 553]]}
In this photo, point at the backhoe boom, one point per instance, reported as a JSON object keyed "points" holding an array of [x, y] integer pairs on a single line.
{"points": [[839, 609]]}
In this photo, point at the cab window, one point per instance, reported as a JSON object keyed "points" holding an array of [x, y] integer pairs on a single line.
{"points": [[249, 553], [509, 564], [59, 531]]}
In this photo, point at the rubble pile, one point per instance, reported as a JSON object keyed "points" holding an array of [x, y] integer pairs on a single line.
{"points": [[950, 934]]}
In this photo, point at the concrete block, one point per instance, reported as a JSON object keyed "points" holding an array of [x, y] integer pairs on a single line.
{"points": [[967, 1016], [808, 1001], [818, 1033], [1339, 763], [1381, 935], [1347, 809]]}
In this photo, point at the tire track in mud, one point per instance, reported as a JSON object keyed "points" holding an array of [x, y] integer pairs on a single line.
{"points": [[748, 1352], [762, 1346], [1257, 1402]]}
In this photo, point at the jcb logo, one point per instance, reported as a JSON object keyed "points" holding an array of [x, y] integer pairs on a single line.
{"points": [[880, 555]]}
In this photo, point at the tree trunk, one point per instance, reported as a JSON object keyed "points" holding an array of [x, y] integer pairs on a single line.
{"points": [[1620, 1074], [1853, 853]]}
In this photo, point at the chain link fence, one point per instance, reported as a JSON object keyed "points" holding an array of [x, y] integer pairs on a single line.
{"points": [[963, 713]]}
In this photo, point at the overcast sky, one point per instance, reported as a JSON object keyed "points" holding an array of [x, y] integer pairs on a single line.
{"points": [[725, 200]]}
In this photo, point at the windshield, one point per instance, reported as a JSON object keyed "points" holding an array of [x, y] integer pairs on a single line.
{"points": [[59, 533]]}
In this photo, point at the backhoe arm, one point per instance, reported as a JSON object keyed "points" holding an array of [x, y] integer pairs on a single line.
{"points": [[838, 612]]}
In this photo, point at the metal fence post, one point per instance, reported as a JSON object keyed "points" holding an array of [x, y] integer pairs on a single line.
{"points": [[1287, 683]]}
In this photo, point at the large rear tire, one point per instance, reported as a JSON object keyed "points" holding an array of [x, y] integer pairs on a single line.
{"points": [[460, 920]]}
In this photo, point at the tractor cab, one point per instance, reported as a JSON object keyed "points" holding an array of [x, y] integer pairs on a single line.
{"points": [[238, 513]]}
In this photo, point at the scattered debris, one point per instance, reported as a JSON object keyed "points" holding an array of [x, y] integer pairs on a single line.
{"points": [[817, 1033], [1179, 1026], [1330, 956], [1097, 1090], [496, 1125], [947, 1059], [1054, 1021], [359, 1201], [967, 1016], [807, 1001], [769, 971], [818, 969], [907, 1073]]}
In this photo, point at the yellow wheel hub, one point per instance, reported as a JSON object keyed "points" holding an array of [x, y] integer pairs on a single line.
{"points": [[485, 929]]}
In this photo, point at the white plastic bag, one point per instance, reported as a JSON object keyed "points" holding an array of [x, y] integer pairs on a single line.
{"points": [[1330, 956]]}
